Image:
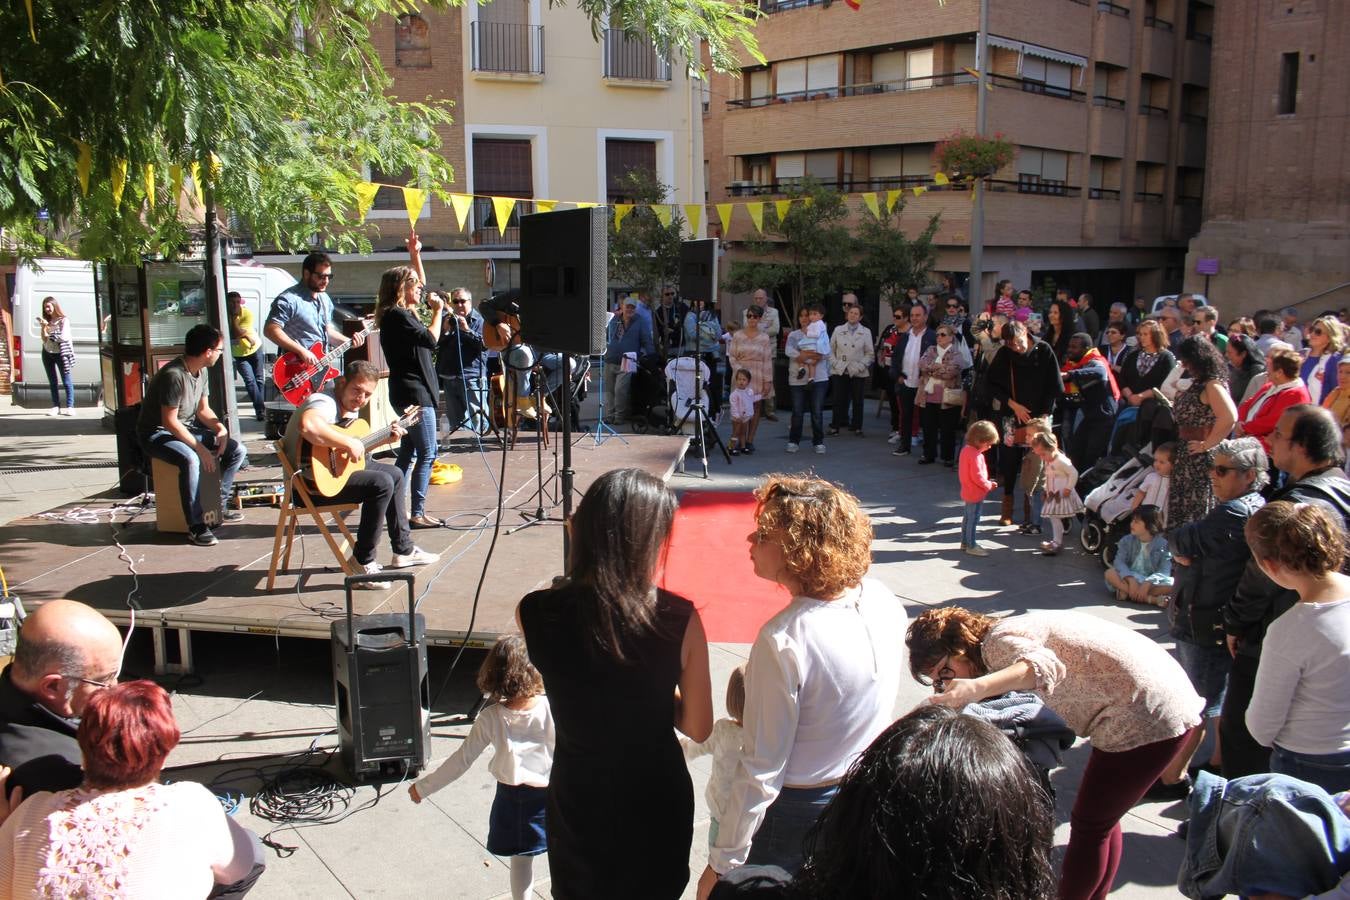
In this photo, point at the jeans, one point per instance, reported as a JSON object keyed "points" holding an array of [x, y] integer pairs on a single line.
{"points": [[379, 490], [161, 444], [466, 402], [418, 449], [249, 368], [905, 396], [780, 838], [815, 393], [939, 430], [1112, 784], [1242, 755], [618, 394], [848, 395], [1207, 667], [1329, 771], [970, 520], [52, 363]]}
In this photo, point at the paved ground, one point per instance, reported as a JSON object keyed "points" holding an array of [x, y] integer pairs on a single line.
{"points": [[256, 704]]}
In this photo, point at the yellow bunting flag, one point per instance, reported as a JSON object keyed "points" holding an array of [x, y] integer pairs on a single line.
{"points": [[756, 211], [82, 166], [621, 210], [724, 214], [119, 180], [365, 198], [413, 200], [693, 214], [892, 198], [195, 171], [502, 207], [920, 191], [176, 181], [31, 31], [782, 207], [586, 205], [941, 178], [460, 203], [544, 205], [663, 214], [870, 201], [150, 183], [807, 201]]}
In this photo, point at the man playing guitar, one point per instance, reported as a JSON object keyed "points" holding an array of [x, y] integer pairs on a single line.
{"points": [[379, 487], [302, 315]]}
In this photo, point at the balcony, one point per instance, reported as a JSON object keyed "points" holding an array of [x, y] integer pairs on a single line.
{"points": [[865, 89], [482, 224], [1111, 37], [630, 58], [506, 49], [1150, 139], [1195, 62], [1029, 86], [880, 184], [1106, 130], [1157, 56], [1055, 111], [1098, 193]]}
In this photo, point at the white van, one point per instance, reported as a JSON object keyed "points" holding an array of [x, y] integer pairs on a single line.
{"points": [[71, 282]]}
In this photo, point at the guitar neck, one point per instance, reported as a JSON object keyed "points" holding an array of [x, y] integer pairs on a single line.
{"points": [[342, 348]]}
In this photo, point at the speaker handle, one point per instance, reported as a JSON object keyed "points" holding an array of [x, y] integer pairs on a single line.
{"points": [[406, 577]]}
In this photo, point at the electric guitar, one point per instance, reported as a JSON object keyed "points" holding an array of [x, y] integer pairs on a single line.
{"points": [[296, 380], [330, 467]]}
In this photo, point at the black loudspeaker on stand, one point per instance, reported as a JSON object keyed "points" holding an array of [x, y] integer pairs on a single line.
{"points": [[380, 688], [564, 274]]}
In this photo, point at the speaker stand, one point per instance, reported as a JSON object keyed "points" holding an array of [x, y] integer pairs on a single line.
{"points": [[603, 430]]}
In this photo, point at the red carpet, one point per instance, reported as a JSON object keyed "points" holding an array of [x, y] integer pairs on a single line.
{"points": [[709, 563]]}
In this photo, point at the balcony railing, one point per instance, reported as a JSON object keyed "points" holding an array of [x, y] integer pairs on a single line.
{"points": [[502, 47], [1146, 109], [1199, 36], [1114, 9], [483, 230], [772, 6], [1155, 22], [1026, 184], [1108, 102], [1035, 184], [1187, 200], [1032, 86], [1103, 193], [1194, 118], [1148, 197], [857, 90], [633, 59]]}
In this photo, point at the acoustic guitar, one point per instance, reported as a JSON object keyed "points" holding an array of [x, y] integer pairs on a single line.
{"points": [[330, 467], [296, 379]]}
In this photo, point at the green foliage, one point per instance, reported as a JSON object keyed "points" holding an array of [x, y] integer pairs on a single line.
{"points": [[291, 98], [970, 156], [887, 260], [643, 253]]}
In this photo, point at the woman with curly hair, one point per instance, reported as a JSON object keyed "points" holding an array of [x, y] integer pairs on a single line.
{"points": [[1204, 414], [1111, 684], [822, 677]]}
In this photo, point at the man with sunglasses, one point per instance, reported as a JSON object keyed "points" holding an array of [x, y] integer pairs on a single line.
{"points": [[67, 652], [302, 315]]}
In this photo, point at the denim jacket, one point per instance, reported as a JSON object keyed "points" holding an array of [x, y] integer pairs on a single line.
{"points": [[1263, 834]]}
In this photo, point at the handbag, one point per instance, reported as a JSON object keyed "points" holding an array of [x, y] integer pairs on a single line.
{"points": [[1014, 435], [953, 397]]}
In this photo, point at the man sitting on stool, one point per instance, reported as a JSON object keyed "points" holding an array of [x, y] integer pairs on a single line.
{"points": [[178, 427], [379, 488]]}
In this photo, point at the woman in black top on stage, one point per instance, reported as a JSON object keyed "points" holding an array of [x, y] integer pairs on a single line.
{"points": [[407, 345], [618, 655]]}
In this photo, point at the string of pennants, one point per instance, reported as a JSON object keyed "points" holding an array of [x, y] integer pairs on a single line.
{"points": [[415, 198]]}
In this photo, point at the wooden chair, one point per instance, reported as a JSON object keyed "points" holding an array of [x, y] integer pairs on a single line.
{"points": [[298, 501]]}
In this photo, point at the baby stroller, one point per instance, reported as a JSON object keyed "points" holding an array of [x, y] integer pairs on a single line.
{"points": [[650, 398], [1106, 518]]}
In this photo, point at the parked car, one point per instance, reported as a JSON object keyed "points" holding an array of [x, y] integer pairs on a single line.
{"points": [[1160, 302]]}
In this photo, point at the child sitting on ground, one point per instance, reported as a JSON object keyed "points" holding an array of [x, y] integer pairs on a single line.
{"points": [[1061, 500], [743, 401], [975, 481], [1142, 570], [1032, 481], [519, 726], [816, 339], [725, 746], [1153, 489]]}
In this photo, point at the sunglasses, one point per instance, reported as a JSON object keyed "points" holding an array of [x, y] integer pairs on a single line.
{"points": [[899, 316], [952, 306], [752, 316], [1319, 331], [326, 276], [1221, 471]]}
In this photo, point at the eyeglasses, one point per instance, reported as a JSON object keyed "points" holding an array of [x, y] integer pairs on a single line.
{"points": [[107, 682], [944, 675], [326, 276], [952, 306], [945, 334], [752, 316]]}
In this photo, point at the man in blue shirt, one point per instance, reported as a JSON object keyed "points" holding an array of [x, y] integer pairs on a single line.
{"points": [[628, 332], [302, 315], [460, 361]]}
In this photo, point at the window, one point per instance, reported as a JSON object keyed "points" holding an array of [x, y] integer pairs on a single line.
{"points": [[757, 86], [505, 41], [633, 58], [623, 157], [823, 165], [1288, 83], [1148, 182], [1108, 86], [791, 78], [904, 165], [788, 168], [1042, 171], [919, 69], [901, 70], [412, 43], [822, 77], [1104, 178], [390, 198], [501, 168], [1042, 76]]}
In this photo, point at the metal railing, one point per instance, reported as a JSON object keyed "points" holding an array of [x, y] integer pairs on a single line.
{"points": [[1146, 109], [772, 6], [1155, 22], [1103, 193], [503, 47], [1108, 102], [1199, 36], [632, 58], [1148, 197], [868, 88], [1032, 86], [1114, 9], [1034, 184], [483, 231]]}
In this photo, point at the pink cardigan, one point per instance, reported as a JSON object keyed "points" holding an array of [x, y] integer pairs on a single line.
{"points": [[975, 483]]}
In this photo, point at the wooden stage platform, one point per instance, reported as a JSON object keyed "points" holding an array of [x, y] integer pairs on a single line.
{"points": [[181, 588]]}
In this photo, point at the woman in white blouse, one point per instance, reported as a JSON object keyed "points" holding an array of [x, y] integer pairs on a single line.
{"points": [[822, 677]]}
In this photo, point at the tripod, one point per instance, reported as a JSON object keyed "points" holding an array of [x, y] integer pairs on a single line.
{"points": [[601, 426], [701, 423], [539, 517]]}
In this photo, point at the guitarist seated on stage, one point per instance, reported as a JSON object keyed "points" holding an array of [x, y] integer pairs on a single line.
{"points": [[302, 315], [318, 425]]}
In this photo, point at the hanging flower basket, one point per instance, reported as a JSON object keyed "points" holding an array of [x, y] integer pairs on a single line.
{"points": [[968, 156]]}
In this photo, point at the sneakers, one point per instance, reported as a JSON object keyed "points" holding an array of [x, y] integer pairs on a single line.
{"points": [[370, 568], [894, 438], [792, 447], [735, 451], [201, 536], [231, 515], [67, 411], [975, 550], [748, 449], [820, 449], [416, 557], [54, 411], [900, 451]]}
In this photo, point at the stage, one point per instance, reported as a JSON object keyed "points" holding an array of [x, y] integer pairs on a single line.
{"points": [[181, 588]]}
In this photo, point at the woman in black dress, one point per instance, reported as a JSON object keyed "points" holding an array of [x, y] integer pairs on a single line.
{"points": [[617, 655]]}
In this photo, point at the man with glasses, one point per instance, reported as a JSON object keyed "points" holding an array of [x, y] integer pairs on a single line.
{"points": [[460, 360], [178, 426], [668, 319], [67, 651], [302, 315]]}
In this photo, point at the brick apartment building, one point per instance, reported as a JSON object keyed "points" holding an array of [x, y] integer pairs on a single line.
{"points": [[1106, 101], [1277, 185]]}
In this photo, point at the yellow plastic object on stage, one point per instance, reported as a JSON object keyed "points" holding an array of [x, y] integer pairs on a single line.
{"points": [[446, 473]]}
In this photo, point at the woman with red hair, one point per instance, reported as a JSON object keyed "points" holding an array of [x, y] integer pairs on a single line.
{"points": [[121, 833]]}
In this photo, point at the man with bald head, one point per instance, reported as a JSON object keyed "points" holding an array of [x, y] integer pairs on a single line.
{"points": [[66, 652]]}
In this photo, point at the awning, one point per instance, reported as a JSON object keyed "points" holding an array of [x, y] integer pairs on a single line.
{"points": [[1025, 49]]}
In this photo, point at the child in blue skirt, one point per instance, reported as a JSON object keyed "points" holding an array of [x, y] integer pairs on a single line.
{"points": [[519, 727]]}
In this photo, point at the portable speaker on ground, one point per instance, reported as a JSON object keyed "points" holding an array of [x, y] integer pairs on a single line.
{"points": [[698, 270], [133, 472], [564, 274], [380, 688]]}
